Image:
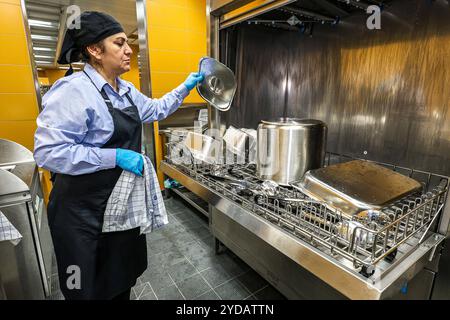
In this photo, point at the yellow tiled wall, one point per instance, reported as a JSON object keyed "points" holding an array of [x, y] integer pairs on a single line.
{"points": [[177, 41], [55, 74], [43, 81], [50, 76], [18, 103], [133, 74]]}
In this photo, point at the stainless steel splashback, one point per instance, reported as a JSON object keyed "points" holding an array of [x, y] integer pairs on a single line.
{"points": [[384, 94]]}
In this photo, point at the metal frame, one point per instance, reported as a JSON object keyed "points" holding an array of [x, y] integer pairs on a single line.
{"points": [[254, 9], [363, 242], [212, 29], [444, 223], [62, 29], [341, 276], [219, 16], [144, 52], [148, 138], [190, 198], [218, 7], [30, 53]]}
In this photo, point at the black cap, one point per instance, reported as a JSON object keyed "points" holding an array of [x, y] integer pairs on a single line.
{"points": [[94, 27]]}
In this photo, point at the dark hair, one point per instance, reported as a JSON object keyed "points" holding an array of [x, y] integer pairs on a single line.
{"points": [[85, 56]]}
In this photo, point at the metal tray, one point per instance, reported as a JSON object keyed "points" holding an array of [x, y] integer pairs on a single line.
{"points": [[357, 187], [219, 85]]}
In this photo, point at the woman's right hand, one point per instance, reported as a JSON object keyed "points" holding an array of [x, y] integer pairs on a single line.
{"points": [[193, 79], [130, 161]]}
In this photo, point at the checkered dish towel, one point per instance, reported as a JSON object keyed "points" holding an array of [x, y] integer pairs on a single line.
{"points": [[8, 231], [136, 202]]}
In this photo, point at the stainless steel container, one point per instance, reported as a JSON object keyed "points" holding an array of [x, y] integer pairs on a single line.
{"points": [[288, 147], [357, 187]]}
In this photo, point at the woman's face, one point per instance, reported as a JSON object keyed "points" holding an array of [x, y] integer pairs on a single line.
{"points": [[116, 54]]}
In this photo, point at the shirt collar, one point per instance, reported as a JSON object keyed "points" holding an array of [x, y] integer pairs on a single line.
{"points": [[123, 86], [100, 82]]}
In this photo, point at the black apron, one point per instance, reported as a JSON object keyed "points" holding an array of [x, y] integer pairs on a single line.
{"points": [[109, 263]]}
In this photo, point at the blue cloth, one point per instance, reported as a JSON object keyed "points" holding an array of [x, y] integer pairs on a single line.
{"points": [[75, 121]]}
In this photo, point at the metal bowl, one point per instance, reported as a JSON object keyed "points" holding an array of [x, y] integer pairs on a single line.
{"points": [[203, 148], [219, 84]]}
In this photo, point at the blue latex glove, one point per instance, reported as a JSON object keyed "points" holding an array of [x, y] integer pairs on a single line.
{"points": [[130, 161], [193, 79]]}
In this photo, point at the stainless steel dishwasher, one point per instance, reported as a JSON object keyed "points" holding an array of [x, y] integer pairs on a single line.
{"points": [[302, 60], [26, 268]]}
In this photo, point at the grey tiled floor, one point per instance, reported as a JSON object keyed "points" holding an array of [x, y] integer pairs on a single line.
{"points": [[182, 264]]}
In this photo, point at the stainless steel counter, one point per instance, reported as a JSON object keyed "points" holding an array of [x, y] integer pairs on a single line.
{"points": [[297, 268]]}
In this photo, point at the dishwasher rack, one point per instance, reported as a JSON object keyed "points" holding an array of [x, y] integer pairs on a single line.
{"points": [[363, 243]]}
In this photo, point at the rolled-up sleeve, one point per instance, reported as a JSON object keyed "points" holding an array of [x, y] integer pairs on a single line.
{"points": [[61, 129], [158, 109]]}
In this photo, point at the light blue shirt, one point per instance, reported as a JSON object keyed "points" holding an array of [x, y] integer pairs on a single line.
{"points": [[75, 122]]}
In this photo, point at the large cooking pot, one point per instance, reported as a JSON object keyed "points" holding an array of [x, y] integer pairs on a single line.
{"points": [[288, 147]]}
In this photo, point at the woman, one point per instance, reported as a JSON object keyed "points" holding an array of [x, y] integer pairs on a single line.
{"points": [[88, 132]]}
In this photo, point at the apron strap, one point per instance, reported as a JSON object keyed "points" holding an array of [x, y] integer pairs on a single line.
{"points": [[129, 99], [106, 98], [104, 95]]}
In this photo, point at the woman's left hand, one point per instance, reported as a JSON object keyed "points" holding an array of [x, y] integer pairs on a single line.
{"points": [[193, 79]]}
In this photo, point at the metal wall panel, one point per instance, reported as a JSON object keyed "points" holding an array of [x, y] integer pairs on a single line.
{"points": [[383, 93]]}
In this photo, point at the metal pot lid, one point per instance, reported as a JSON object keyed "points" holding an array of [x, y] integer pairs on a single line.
{"points": [[293, 122], [219, 85]]}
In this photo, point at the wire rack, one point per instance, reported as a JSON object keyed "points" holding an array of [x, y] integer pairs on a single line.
{"points": [[363, 242]]}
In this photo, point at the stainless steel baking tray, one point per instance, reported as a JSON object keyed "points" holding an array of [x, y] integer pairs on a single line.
{"points": [[219, 85], [357, 187]]}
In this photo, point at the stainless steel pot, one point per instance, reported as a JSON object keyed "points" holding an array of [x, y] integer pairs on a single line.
{"points": [[288, 147]]}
